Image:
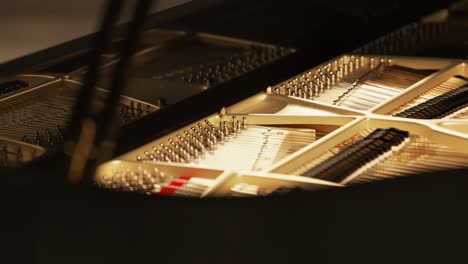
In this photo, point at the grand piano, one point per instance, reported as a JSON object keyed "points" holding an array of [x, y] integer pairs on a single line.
{"points": [[242, 132]]}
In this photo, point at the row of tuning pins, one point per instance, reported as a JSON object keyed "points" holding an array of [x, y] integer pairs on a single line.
{"points": [[312, 84], [132, 112], [151, 182], [50, 138], [233, 66], [12, 86], [255, 57], [15, 156], [140, 180], [193, 143], [406, 39]]}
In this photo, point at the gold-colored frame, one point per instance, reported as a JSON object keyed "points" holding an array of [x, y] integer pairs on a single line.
{"points": [[268, 108]]}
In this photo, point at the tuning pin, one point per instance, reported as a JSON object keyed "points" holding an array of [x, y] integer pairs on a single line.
{"points": [[333, 78], [4, 149], [201, 148], [221, 135], [339, 75], [362, 60], [372, 63], [37, 139], [49, 138], [283, 89], [194, 130], [171, 155], [4, 155], [160, 155], [322, 86], [148, 155], [341, 61], [209, 144], [335, 65], [310, 93], [139, 110], [345, 69], [316, 90], [19, 153], [323, 77], [132, 108], [59, 132], [200, 137], [206, 132], [225, 129], [221, 120], [234, 127], [187, 135]]}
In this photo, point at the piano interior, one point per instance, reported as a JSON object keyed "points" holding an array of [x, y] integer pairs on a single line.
{"points": [[394, 107], [354, 119], [248, 131]]}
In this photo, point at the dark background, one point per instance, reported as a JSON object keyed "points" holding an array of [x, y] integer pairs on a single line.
{"points": [[417, 219], [29, 26]]}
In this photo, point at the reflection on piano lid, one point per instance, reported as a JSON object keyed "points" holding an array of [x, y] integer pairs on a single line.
{"points": [[14, 153], [168, 67], [173, 65], [442, 34], [38, 109]]}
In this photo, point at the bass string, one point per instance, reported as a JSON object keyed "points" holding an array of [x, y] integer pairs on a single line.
{"points": [[442, 88], [301, 169], [460, 113], [418, 156]]}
